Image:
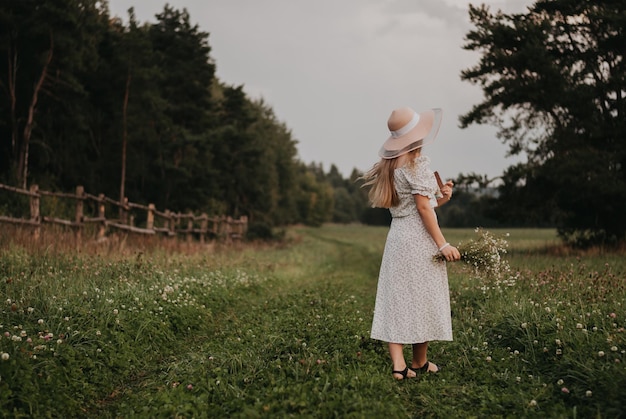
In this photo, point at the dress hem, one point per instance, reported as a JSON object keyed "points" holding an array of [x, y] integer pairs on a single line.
{"points": [[413, 343]]}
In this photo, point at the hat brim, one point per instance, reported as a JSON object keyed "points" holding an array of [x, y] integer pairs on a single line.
{"points": [[422, 134]]}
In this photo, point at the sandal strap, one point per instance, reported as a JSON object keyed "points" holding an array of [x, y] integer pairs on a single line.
{"points": [[403, 372], [423, 368]]}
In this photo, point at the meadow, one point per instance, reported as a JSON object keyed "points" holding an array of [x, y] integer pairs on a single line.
{"points": [[282, 330]]}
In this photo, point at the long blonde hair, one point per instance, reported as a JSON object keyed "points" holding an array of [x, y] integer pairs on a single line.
{"points": [[382, 193]]}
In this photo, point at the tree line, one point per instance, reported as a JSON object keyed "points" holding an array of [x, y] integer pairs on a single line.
{"points": [[135, 109]]}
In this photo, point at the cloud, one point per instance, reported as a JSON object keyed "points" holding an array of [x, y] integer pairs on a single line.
{"points": [[450, 15]]}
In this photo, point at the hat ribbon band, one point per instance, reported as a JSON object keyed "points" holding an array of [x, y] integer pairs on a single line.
{"points": [[408, 127], [388, 154]]}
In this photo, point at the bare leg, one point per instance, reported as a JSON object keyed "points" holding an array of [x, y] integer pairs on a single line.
{"points": [[420, 357], [397, 358]]}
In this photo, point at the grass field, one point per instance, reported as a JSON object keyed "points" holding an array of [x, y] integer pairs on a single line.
{"points": [[283, 331]]}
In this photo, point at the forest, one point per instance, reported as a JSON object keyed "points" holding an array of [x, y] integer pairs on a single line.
{"points": [[133, 109], [136, 110]]}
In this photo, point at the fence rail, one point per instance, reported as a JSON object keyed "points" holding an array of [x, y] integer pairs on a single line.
{"points": [[167, 223]]}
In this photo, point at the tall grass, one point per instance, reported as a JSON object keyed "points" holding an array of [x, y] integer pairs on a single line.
{"points": [[166, 330]]}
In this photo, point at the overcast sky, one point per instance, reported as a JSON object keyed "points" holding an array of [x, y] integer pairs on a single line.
{"points": [[333, 70]]}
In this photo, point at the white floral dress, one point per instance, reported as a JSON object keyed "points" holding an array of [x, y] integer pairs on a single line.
{"points": [[413, 299]]}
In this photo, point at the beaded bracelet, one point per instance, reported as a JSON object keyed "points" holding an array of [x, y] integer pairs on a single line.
{"points": [[444, 246]]}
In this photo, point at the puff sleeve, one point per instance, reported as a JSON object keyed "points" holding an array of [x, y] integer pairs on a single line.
{"points": [[422, 180]]}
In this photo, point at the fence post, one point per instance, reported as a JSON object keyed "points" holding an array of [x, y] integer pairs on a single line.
{"points": [[229, 224], [216, 226], [171, 222], [150, 219], [80, 192], [123, 211], [244, 225], [190, 227], [34, 211], [204, 226], [101, 214]]}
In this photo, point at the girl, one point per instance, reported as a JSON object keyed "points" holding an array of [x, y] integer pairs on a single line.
{"points": [[412, 299]]}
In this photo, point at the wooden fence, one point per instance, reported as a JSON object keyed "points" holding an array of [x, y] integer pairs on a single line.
{"points": [[170, 224]]}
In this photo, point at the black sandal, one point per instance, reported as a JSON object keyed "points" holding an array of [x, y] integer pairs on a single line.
{"points": [[403, 372], [423, 368]]}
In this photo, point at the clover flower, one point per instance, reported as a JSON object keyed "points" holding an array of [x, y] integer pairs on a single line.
{"points": [[484, 255]]}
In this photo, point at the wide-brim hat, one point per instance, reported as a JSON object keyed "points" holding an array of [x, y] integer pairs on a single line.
{"points": [[410, 130]]}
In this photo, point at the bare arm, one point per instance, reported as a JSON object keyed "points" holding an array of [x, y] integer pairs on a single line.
{"points": [[442, 201], [429, 219]]}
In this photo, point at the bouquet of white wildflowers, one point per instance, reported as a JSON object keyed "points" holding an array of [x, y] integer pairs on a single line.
{"points": [[483, 255]]}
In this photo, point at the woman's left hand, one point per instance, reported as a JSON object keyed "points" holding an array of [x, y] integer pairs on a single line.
{"points": [[446, 190]]}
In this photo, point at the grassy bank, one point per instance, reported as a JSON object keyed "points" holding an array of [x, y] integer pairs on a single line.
{"points": [[284, 330]]}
